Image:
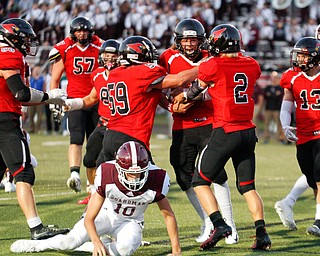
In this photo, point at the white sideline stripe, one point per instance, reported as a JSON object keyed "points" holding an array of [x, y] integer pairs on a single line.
{"points": [[55, 143], [43, 195]]}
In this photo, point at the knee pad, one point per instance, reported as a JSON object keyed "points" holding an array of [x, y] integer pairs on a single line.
{"points": [[89, 161], [221, 178], [26, 175], [246, 188], [77, 138]]}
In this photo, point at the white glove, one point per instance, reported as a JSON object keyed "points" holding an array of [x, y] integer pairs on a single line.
{"points": [[289, 133], [57, 96], [73, 104]]}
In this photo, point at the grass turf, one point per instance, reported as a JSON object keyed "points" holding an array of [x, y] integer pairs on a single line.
{"points": [[277, 170]]}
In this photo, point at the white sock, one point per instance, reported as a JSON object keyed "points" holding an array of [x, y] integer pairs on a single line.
{"points": [[33, 222], [317, 217], [196, 204], [222, 193], [75, 175], [298, 188], [92, 189]]}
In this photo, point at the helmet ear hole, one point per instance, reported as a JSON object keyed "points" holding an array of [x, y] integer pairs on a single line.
{"points": [[132, 163]]}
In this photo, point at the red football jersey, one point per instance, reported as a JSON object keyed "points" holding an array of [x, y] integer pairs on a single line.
{"points": [[99, 80], [200, 113], [306, 93], [132, 106], [234, 80], [286, 77], [79, 64], [10, 58]]}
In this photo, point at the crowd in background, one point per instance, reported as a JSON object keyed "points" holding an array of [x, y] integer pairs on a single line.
{"points": [[268, 33]]}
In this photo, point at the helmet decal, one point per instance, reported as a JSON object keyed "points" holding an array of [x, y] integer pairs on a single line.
{"points": [[217, 34]]}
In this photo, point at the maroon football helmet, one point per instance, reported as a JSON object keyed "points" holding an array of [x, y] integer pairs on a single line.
{"points": [[132, 158]]}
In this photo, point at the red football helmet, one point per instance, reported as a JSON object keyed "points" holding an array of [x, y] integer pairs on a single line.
{"points": [[132, 158]]}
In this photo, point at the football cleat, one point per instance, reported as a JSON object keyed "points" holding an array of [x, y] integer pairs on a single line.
{"points": [[24, 246], [74, 182], [216, 235], [262, 243], [233, 238], [313, 230], [285, 213], [9, 187], [85, 200], [205, 233], [47, 232]]}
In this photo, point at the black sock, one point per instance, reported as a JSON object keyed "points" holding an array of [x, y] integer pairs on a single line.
{"points": [[217, 219], [260, 226], [317, 223], [75, 169], [40, 226]]}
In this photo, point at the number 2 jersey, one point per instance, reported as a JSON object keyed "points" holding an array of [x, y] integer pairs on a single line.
{"points": [[232, 89], [306, 93], [79, 64], [132, 103], [122, 203]]}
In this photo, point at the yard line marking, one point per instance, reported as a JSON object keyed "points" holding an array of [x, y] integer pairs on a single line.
{"points": [[41, 195]]}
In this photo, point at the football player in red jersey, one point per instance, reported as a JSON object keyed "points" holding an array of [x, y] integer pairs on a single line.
{"points": [[133, 91], [17, 40], [108, 60], [125, 188], [303, 91], [77, 56], [230, 78], [191, 129], [284, 207]]}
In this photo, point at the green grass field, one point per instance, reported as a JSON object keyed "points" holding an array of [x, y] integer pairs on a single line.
{"points": [[277, 171]]}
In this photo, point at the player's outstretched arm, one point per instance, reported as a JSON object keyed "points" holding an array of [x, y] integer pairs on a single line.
{"points": [[93, 209], [172, 226], [79, 103], [175, 80]]}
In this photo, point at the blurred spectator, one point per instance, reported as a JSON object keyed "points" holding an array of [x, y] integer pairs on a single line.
{"points": [[254, 38], [279, 33], [100, 23], [112, 20], [38, 82], [273, 98], [157, 31]]}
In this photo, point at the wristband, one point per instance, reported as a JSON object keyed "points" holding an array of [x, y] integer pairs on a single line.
{"points": [[170, 107]]}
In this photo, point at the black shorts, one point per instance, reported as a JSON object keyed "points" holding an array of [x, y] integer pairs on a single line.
{"points": [[112, 141], [239, 146], [94, 146], [14, 149], [308, 155], [81, 123], [186, 145]]}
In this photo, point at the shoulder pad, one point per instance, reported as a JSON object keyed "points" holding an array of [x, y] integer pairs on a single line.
{"points": [[54, 54]]}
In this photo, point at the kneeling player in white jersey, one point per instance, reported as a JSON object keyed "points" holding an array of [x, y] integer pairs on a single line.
{"points": [[125, 188]]}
